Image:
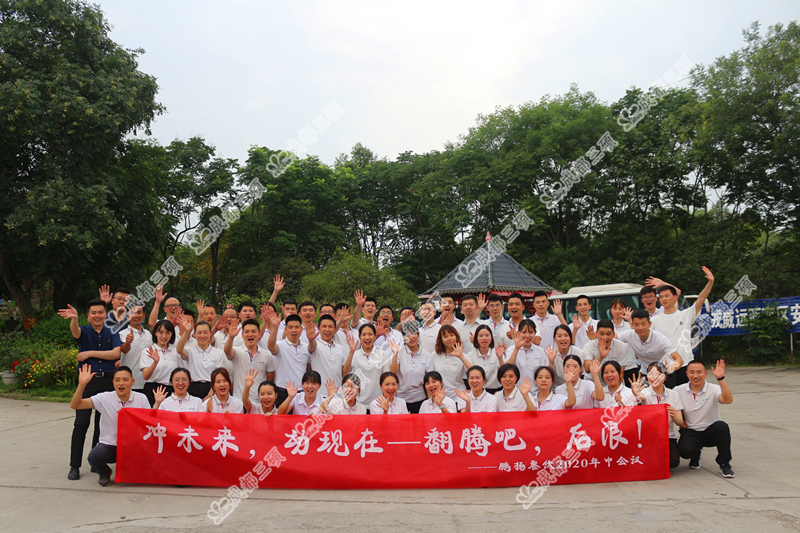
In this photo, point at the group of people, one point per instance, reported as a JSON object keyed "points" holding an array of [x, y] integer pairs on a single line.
{"points": [[429, 362]]}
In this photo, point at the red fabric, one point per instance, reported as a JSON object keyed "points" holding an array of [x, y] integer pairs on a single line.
{"points": [[405, 460]]}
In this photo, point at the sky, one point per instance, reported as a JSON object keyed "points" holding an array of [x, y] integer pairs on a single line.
{"points": [[407, 76]]}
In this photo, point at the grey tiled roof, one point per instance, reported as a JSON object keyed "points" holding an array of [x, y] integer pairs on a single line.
{"points": [[502, 274]]}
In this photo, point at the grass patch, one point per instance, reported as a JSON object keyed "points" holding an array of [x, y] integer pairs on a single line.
{"points": [[45, 394]]}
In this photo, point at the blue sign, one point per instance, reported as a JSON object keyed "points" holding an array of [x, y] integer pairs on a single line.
{"points": [[726, 318]]}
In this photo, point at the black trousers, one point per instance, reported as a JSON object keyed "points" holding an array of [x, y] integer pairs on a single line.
{"points": [[199, 388], [101, 455], [83, 418], [630, 375], [413, 407], [717, 435], [149, 388], [674, 456], [678, 377]]}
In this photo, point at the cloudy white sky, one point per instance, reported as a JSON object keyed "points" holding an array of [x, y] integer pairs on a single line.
{"points": [[409, 76]]}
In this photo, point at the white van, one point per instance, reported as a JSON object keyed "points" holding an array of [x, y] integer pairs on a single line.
{"points": [[600, 296]]}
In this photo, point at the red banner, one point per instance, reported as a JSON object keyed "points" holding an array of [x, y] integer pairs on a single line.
{"points": [[420, 451]]}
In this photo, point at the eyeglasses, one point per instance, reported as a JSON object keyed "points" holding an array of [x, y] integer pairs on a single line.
{"points": [[172, 306], [648, 298]]}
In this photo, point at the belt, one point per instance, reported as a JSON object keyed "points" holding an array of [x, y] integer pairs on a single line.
{"points": [[103, 374]]}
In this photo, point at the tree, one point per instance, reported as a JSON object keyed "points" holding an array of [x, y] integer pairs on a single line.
{"points": [[68, 96], [348, 272]]}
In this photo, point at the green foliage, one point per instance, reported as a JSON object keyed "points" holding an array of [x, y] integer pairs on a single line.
{"points": [[54, 330], [348, 272], [767, 334]]}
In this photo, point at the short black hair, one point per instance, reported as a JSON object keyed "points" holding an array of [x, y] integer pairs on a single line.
{"points": [[538, 293], [516, 295], [123, 368], [389, 307], [494, 298], [339, 306], [469, 297], [251, 322], [306, 303], [371, 299], [669, 288], [246, 303], [123, 290], [505, 367], [640, 313], [293, 318], [326, 317], [189, 312], [647, 290], [583, 297], [606, 323], [95, 302], [289, 301]]}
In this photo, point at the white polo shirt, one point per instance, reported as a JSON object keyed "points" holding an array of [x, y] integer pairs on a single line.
{"points": [[338, 406], [490, 365], [301, 407], [202, 363], [427, 337], [244, 360], [108, 405], [168, 360], [396, 407], [233, 405], [141, 340], [652, 350], [485, 403], [515, 402], [619, 352], [671, 397], [558, 362], [658, 311], [188, 404], [553, 402], [622, 327], [528, 360], [452, 370], [291, 362], [702, 409], [382, 341], [369, 367], [580, 338], [499, 331], [677, 327], [411, 371], [220, 339], [464, 330], [257, 409], [328, 359], [428, 407], [583, 394], [626, 395], [545, 329]]}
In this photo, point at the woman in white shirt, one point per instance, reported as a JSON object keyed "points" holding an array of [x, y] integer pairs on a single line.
{"points": [[546, 399], [437, 401], [525, 354], [388, 403], [618, 312], [478, 399], [368, 362], [267, 395], [513, 397], [345, 403], [221, 400], [303, 404], [616, 393], [180, 400], [557, 353], [449, 360], [201, 359], [412, 363], [485, 356], [586, 392], [657, 394], [159, 360]]}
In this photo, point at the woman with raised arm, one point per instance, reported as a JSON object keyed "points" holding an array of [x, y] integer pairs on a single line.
{"points": [[586, 392], [546, 399], [388, 403], [515, 395], [412, 363], [449, 360], [484, 356], [159, 360], [437, 401], [201, 359], [180, 400], [616, 393], [221, 400], [524, 353], [557, 353], [620, 316], [346, 402], [657, 394], [267, 395], [368, 362], [307, 403], [478, 399]]}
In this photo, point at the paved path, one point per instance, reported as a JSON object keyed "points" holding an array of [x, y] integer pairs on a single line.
{"points": [[35, 494]]}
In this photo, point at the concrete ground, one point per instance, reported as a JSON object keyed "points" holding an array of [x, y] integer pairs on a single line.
{"points": [[35, 494]]}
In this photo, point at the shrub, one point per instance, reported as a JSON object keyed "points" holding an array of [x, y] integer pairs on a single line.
{"points": [[766, 334]]}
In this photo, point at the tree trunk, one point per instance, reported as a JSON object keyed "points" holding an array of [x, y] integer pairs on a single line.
{"points": [[214, 265], [21, 297], [58, 295]]}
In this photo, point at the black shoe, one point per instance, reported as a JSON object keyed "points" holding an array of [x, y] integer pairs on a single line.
{"points": [[694, 464], [93, 470], [74, 474], [105, 478], [726, 470]]}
